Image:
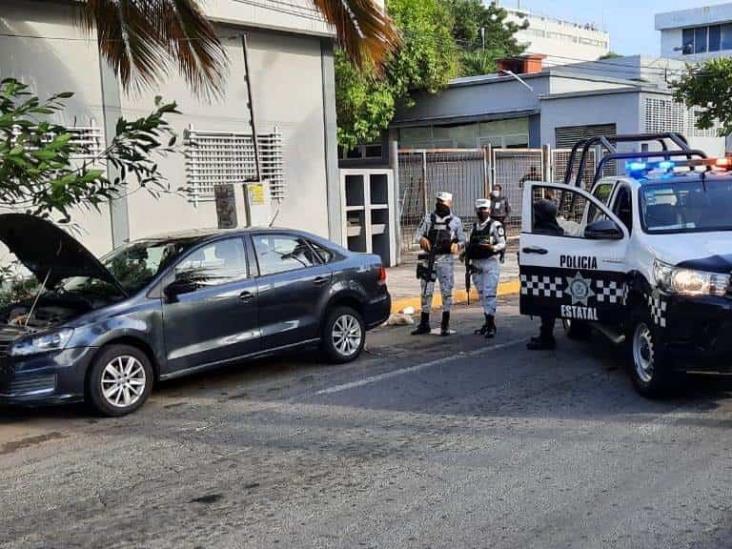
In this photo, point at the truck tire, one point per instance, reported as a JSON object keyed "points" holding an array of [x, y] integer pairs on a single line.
{"points": [[344, 335], [651, 368], [576, 329]]}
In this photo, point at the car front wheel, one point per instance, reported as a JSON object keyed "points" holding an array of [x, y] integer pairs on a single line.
{"points": [[651, 371], [120, 380], [344, 335]]}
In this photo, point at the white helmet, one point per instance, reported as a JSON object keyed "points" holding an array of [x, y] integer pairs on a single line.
{"points": [[482, 203]]}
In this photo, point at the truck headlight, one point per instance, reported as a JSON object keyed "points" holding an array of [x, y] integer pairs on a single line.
{"points": [[682, 281], [52, 341]]}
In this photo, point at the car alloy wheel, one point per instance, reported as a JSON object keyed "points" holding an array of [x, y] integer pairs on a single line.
{"points": [[123, 381], [643, 352], [347, 335]]}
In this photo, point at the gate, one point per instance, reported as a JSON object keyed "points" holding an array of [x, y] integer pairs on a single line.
{"points": [[470, 174], [424, 172]]}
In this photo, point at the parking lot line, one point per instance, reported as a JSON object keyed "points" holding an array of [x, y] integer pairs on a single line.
{"points": [[415, 368]]}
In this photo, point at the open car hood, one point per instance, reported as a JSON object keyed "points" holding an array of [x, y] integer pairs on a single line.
{"points": [[49, 252]]}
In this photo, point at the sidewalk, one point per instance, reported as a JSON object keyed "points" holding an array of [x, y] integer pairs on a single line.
{"points": [[405, 288]]}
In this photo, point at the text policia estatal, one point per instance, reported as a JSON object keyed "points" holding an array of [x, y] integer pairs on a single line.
{"points": [[580, 313]]}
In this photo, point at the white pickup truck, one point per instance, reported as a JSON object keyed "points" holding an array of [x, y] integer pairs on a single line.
{"points": [[644, 258]]}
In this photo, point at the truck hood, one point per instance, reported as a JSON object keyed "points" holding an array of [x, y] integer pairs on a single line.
{"points": [[711, 252], [48, 252]]}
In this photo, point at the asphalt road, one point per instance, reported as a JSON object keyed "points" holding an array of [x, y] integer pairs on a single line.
{"points": [[425, 442]]}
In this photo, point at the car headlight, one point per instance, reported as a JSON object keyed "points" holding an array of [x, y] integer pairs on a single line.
{"points": [[682, 281], [53, 341]]}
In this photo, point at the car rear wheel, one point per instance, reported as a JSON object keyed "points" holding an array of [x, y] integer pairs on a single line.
{"points": [[344, 335], [652, 371], [120, 380], [576, 329]]}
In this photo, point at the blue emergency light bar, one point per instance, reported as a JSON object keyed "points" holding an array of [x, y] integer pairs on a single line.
{"points": [[639, 167]]}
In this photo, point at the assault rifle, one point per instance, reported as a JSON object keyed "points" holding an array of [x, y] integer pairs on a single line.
{"points": [[426, 271]]}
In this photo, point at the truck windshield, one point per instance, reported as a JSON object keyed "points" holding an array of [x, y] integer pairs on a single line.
{"points": [[687, 206]]}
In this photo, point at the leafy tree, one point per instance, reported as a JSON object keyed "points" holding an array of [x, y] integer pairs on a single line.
{"points": [[141, 39], [367, 98], [709, 87], [483, 34], [610, 55], [38, 173]]}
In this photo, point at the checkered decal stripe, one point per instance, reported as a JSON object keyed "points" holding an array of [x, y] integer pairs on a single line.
{"points": [[542, 286], [657, 307], [610, 292]]}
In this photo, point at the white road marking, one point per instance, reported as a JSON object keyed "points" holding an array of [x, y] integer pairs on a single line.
{"points": [[415, 368]]}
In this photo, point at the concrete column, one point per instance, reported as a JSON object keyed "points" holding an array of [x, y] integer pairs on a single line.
{"points": [[330, 127], [112, 108]]}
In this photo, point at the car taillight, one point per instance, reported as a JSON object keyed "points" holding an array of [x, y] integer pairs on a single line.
{"points": [[382, 276]]}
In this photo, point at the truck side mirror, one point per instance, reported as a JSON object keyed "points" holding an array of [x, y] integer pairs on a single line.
{"points": [[603, 229]]}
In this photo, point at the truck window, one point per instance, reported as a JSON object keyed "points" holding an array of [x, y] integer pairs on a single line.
{"points": [[602, 192], [623, 207], [560, 212]]}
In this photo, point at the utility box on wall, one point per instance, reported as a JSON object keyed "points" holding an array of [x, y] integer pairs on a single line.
{"points": [[369, 212]]}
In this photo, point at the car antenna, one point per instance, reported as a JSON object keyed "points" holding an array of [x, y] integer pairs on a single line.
{"points": [[41, 289]]}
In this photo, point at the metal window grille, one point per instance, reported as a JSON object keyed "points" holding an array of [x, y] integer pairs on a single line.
{"points": [[88, 140], [663, 115], [218, 158]]}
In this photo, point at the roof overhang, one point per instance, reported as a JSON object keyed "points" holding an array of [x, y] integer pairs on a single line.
{"points": [[465, 119]]}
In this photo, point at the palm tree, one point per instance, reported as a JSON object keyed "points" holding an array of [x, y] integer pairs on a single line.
{"points": [[141, 39]]}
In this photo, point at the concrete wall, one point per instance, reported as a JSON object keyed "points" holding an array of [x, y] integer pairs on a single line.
{"points": [[503, 94], [621, 109], [287, 78], [67, 61]]}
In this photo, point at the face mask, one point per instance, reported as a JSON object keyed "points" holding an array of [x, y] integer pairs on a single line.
{"points": [[496, 194], [442, 209]]}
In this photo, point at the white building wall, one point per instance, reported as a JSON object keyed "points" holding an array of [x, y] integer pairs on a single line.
{"points": [[563, 42], [287, 81], [671, 25], [67, 60]]}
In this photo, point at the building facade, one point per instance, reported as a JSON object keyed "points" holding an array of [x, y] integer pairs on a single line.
{"points": [[292, 76], [696, 34], [562, 42], [555, 106]]}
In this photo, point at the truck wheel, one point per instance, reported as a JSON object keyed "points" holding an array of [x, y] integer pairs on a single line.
{"points": [[576, 329], [651, 368], [344, 335], [120, 380]]}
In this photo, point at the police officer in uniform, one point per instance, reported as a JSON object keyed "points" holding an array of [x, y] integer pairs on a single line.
{"points": [[487, 241], [442, 232], [500, 210]]}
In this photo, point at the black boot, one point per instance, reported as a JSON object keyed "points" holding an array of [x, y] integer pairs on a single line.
{"points": [[424, 325], [445, 324], [491, 331], [484, 328]]}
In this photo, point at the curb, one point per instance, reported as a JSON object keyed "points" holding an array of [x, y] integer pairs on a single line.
{"points": [[508, 287]]}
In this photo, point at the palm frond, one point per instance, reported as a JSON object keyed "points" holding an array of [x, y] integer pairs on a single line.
{"points": [[364, 30], [142, 38]]}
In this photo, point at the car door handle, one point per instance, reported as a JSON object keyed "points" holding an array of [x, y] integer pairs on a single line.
{"points": [[321, 280], [246, 296], [534, 250]]}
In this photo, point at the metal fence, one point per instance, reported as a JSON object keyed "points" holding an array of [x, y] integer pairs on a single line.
{"points": [[469, 174], [422, 173]]}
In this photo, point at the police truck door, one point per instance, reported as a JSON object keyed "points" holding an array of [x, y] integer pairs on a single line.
{"points": [[571, 255]]}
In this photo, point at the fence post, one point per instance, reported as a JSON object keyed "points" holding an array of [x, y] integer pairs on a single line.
{"points": [[424, 182], [397, 241], [486, 178], [490, 174], [546, 163]]}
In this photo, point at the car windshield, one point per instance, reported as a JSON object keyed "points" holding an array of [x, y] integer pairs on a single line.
{"points": [[687, 206], [134, 266]]}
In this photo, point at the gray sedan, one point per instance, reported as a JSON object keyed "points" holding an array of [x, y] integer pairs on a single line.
{"points": [[105, 331]]}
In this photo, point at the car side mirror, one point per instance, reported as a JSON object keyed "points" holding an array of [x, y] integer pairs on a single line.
{"points": [[178, 287], [603, 229]]}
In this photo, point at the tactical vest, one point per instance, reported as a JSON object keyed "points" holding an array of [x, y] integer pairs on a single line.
{"points": [[479, 236], [440, 234]]}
